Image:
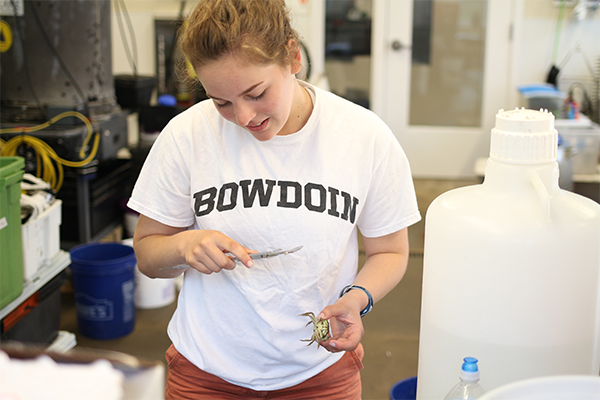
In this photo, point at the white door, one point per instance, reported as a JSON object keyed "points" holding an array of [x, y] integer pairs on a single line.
{"points": [[439, 92]]}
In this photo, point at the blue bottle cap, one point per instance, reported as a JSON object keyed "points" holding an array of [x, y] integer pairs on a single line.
{"points": [[167, 100], [469, 371], [470, 364]]}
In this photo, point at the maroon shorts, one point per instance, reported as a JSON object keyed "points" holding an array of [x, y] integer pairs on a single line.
{"points": [[340, 381]]}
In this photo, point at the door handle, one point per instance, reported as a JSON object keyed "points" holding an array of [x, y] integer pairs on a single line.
{"points": [[397, 45]]}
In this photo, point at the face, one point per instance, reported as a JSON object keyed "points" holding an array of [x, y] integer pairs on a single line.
{"points": [[258, 98]]}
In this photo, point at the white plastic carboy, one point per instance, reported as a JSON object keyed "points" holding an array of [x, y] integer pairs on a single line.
{"points": [[511, 268]]}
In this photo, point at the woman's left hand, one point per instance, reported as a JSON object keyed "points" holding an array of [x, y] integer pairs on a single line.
{"points": [[385, 264], [346, 326]]}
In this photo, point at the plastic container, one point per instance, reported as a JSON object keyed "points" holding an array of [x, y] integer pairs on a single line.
{"points": [[134, 91], [468, 388], [543, 96], [41, 240], [104, 286], [511, 268], [549, 387], [583, 138], [152, 293], [11, 256], [107, 187], [404, 390]]}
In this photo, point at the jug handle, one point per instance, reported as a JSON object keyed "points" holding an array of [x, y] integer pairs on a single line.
{"points": [[542, 193]]}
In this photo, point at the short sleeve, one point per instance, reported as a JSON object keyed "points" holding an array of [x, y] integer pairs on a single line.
{"points": [[391, 203], [162, 190]]}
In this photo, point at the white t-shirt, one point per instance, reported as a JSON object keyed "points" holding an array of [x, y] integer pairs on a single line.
{"points": [[343, 169]]}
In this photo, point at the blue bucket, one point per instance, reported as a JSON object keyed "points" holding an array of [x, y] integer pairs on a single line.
{"points": [[404, 390], [104, 286]]}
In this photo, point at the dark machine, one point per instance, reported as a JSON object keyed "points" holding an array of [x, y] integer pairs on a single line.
{"points": [[56, 72]]}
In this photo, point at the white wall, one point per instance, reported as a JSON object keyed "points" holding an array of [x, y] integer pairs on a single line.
{"points": [[535, 24], [142, 14], [306, 17], [534, 37]]}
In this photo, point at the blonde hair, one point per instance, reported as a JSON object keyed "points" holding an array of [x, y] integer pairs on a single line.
{"points": [[257, 30]]}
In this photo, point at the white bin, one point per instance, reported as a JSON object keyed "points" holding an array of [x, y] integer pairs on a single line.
{"points": [[41, 240], [573, 387], [152, 293]]}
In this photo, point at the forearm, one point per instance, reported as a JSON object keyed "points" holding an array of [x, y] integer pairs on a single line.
{"points": [[379, 275], [385, 265], [160, 247], [386, 262], [156, 254]]}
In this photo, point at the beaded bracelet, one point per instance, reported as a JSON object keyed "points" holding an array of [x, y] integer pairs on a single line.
{"points": [[369, 306]]}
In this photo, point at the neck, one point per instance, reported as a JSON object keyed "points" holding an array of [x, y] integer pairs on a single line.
{"points": [[300, 112]]}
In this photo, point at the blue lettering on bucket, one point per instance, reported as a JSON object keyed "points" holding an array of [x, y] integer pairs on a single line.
{"points": [[94, 309], [128, 289]]}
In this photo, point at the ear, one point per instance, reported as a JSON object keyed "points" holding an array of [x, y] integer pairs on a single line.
{"points": [[297, 60]]}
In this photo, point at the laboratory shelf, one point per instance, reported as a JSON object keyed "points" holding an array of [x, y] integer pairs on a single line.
{"points": [[60, 261]]}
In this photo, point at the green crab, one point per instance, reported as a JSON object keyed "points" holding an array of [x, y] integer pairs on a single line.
{"points": [[320, 329]]}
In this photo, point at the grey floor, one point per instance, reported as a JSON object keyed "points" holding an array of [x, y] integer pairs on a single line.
{"points": [[391, 330]]}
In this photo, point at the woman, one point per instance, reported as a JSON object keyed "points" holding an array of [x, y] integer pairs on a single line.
{"points": [[268, 162]]}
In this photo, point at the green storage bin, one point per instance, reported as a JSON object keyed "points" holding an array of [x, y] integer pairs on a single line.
{"points": [[11, 246]]}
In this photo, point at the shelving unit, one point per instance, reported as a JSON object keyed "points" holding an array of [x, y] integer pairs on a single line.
{"points": [[43, 276]]}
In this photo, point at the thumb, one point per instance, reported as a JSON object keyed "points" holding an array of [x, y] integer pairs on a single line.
{"points": [[328, 312]]}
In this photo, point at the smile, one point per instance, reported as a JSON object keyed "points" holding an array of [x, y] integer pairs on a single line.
{"points": [[258, 127]]}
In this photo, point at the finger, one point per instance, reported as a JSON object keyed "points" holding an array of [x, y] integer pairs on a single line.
{"points": [[200, 267], [341, 344], [243, 254], [330, 346], [335, 346], [211, 261], [217, 261], [249, 251], [340, 313], [206, 265], [328, 312]]}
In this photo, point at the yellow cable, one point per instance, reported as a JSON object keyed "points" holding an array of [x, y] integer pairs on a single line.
{"points": [[45, 154]]}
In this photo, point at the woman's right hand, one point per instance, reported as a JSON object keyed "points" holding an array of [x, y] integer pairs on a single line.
{"points": [[159, 247], [204, 250]]}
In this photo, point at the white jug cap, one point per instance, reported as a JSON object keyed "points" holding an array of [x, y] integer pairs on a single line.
{"points": [[524, 137]]}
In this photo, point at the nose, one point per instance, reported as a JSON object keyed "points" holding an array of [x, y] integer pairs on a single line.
{"points": [[244, 114]]}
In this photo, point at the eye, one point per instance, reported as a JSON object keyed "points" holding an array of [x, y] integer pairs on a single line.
{"points": [[221, 105], [260, 96]]}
